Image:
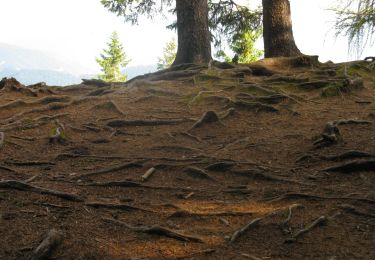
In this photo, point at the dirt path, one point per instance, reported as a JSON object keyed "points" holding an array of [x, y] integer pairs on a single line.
{"points": [[142, 171]]}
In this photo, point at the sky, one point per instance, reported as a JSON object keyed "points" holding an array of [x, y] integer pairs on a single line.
{"points": [[76, 31]]}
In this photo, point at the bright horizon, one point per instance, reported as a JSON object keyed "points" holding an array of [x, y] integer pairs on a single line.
{"points": [[76, 31]]}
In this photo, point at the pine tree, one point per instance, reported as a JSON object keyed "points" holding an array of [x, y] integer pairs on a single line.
{"points": [[112, 60], [243, 45], [169, 55], [192, 24]]}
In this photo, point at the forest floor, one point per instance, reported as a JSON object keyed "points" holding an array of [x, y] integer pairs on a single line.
{"points": [[271, 160]]}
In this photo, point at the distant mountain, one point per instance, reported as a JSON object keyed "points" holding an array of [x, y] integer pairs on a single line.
{"points": [[32, 76], [33, 66], [134, 71]]}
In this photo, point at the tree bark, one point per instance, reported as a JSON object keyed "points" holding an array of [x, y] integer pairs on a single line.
{"points": [[194, 45], [277, 29]]}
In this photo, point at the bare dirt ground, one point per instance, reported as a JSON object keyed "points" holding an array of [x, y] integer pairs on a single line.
{"points": [[281, 167]]}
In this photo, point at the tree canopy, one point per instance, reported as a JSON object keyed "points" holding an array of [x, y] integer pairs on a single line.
{"points": [[356, 20]]}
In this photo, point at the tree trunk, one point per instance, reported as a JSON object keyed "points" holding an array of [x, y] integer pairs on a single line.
{"points": [[277, 29], [194, 45]]}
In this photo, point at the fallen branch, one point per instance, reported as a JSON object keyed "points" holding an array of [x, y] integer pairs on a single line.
{"points": [[148, 174], [319, 221], [243, 229], [155, 230], [23, 186], [49, 243], [115, 168]]}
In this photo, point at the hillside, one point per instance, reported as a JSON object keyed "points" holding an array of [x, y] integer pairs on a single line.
{"points": [[33, 66], [270, 160]]}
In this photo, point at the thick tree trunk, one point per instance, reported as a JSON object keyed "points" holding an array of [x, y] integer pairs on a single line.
{"points": [[194, 44], [277, 29]]}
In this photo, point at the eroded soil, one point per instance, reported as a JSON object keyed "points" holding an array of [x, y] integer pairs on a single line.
{"points": [[256, 162]]}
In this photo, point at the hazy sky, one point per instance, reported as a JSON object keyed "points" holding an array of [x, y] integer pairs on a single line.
{"points": [[77, 30]]}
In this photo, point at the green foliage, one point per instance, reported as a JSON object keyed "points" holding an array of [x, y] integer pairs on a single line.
{"points": [[169, 55], [228, 19], [131, 10], [243, 44], [113, 59], [356, 20]]}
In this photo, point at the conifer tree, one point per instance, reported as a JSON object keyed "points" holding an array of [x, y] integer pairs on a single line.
{"points": [[112, 60], [356, 21]]}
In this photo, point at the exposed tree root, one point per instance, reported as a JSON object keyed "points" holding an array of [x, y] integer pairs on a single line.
{"points": [[2, 139], [95, 82], [199, 253], [253, 173], [199, 173], [207, 118], [331, 135], [347, 155], [7, 169], [243, 229], [251, 257], [271, 99], [293, 195], [31, 123], [100, 92], [196, 138], [132, 184], [24, 138], [155, 230], [352, 209], [114, 206], [290, 212], [229, 112], [355, 166], [319, 221], [23, 186], [221, 166], [115, 168], [256, 106], [185, 213], [63, 156], [175, 148], [49, 243], [28, 163], [150, 122], [352, 122], [110, 106]]}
